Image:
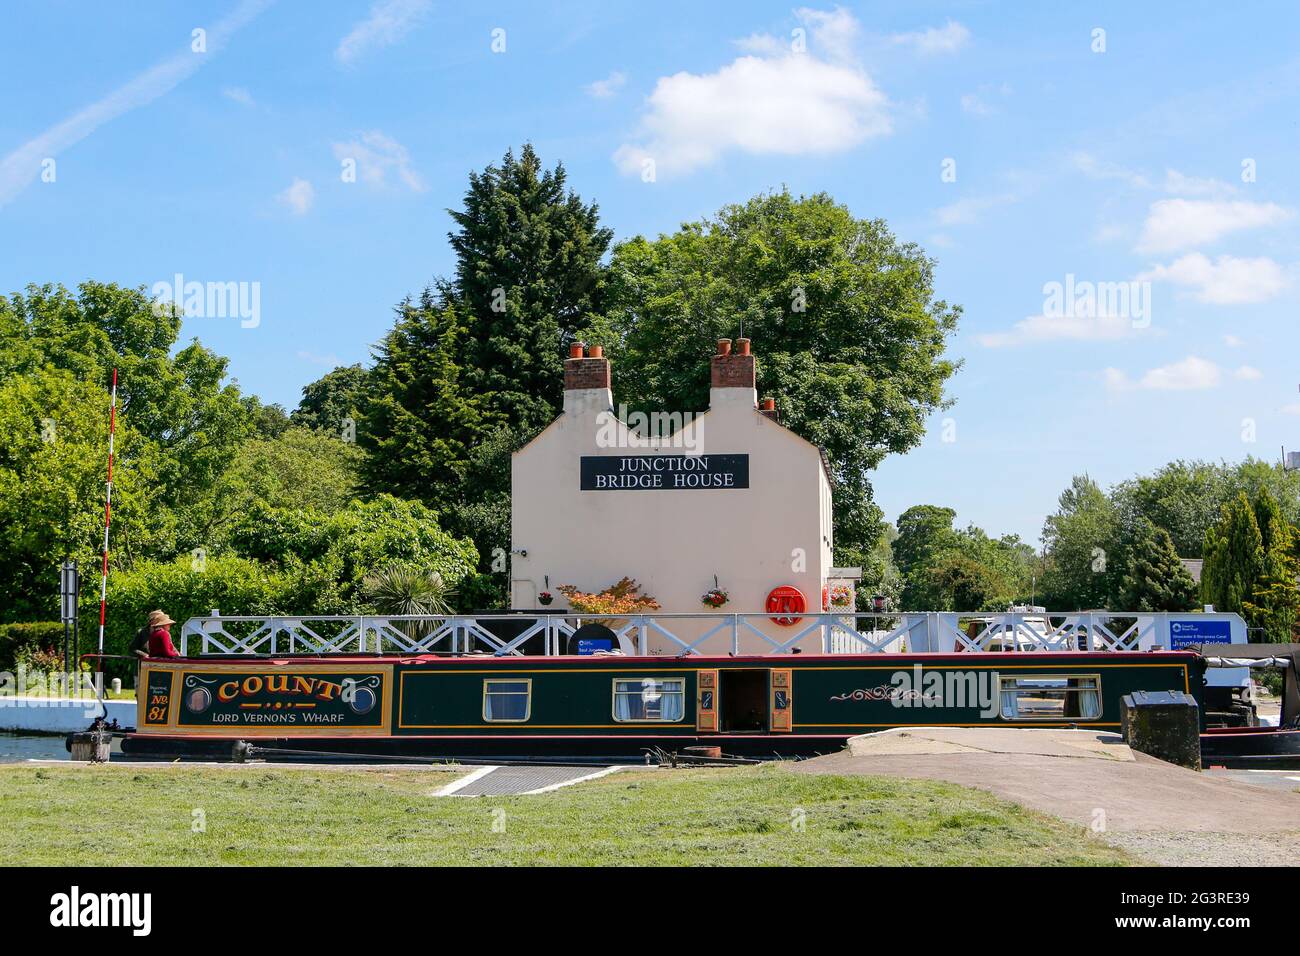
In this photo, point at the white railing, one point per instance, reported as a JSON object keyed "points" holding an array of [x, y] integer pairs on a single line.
{"points": [[683, 634]]}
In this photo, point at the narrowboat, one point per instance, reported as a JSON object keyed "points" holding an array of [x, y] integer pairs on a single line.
{"points": [[1230, 740], [460, 687]]}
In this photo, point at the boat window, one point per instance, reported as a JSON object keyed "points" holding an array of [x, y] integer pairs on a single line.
{"points": [[649, 699], [1051, 698], [507, 700]]}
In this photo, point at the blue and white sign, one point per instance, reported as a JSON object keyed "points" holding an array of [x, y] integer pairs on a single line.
{"points": [[590, 645], [1185, 633]]}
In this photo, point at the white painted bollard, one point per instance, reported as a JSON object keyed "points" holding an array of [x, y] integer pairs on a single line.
{"points": [[116, 685]]}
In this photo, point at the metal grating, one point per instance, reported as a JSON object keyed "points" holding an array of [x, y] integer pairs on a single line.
{"points": [[509, 781]]}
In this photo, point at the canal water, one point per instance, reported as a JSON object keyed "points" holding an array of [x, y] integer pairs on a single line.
{"points": [[15, 748]]}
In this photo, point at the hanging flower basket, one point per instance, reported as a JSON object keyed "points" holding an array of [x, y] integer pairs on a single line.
{"points": [[545, 597], [841, 596], [715, 598]]}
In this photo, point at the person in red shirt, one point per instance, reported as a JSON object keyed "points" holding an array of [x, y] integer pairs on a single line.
{"points": [[160, 638]]}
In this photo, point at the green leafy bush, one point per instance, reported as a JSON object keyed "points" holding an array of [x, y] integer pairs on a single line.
{"points": [[27, 637]]}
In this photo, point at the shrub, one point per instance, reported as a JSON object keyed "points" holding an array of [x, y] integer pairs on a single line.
{"points": [[27, 637]]}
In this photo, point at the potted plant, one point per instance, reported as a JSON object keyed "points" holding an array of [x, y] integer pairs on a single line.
{"points": [[620, 598], [841, 596], [716, 597], [544, 598]]}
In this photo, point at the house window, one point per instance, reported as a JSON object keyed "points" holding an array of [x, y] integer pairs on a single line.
{"points": [[1051, 698], [507, 700], [649, 699]]}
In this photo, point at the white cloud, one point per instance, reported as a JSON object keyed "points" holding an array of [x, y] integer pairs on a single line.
{"points": [[1292, 409], [966, 211], [788, 104], [238, 94], [1095, 168], [20, 168], [1232, 341], [325, 361], [1173, 224], [1248, 373], [949, 38], [763, 44], [1227, 280], [1190, 374], [604, 89], [299, 197], [1050, 328], [1176, 182], [376, 155], [388, 22], [834, 32]]}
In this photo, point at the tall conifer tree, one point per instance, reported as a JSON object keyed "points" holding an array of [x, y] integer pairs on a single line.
{"points": [[1154, 579]]}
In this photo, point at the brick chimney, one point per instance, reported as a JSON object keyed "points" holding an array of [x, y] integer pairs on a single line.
{"points": [[586, 380], [733, 375]]}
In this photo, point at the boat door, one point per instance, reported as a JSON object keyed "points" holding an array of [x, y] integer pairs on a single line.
{"points": [[706, 701], [782, 709]]}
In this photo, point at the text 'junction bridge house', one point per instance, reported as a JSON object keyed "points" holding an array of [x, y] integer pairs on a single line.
{"points": [[730, 499]]}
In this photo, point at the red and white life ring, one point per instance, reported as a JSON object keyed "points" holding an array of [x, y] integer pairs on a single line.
{"points": [[786, 603]]}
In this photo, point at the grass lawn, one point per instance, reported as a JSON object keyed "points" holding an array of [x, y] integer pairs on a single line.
{"points": [[85, 814]]}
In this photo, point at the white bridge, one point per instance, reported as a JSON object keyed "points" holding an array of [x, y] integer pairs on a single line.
{"points": [[563, 633]]}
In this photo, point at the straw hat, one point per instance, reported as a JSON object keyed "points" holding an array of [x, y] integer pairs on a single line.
{"points": [[159, 619]]}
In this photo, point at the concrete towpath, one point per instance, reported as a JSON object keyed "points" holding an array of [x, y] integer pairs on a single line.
{"points": [[1164, 813]]}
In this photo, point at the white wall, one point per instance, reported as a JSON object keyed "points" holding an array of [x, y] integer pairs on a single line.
{"points": [[61, 715]]}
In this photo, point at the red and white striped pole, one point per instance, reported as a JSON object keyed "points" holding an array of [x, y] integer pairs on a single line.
{"points": [[108, 510]]}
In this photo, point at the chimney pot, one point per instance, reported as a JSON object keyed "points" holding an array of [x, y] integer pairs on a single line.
{"points": [[769, 404], [732, 369], [583, 372]]}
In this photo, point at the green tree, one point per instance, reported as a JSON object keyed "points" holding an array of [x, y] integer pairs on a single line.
{"points": [[1081, 542], [924, 531], [332, 399], [422, 418], [53, 459], [358, 540], [1153, 578], [528, 276], [188, 419], [944, 569], [1274, 597], [849, 336], [1234, 556], [1186, 497], [300, 469]]}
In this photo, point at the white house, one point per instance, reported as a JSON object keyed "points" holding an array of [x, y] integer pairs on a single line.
{"points": [[730, 494]]}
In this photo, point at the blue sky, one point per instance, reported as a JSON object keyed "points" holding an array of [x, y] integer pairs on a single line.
{"points": [[1161, 152]]}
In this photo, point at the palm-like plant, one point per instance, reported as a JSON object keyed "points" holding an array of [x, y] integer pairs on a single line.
{"points": [[403, 589]]}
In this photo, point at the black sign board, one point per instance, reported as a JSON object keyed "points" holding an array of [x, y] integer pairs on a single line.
{"points": [[663, 472]]}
